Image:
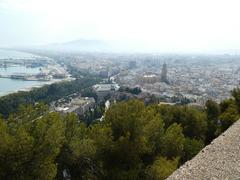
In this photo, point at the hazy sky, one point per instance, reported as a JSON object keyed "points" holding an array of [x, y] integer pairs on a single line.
{"points": [[170, 25]]}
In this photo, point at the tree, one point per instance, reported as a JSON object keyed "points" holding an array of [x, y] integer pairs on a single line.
{"points": [[124, 156], [161, 168], [135, 141], [15, 152], [173, 141], [213, 112], [193, 122], [137, 134], [153, 132], [9, 104], [191, 148], [228, 117], [29, 148], [48, 134], [236, 95], [78, 153], [212, 109], [225, 104]]}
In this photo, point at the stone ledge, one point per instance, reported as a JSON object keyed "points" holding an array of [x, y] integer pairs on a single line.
{"points": [[220, 160]]}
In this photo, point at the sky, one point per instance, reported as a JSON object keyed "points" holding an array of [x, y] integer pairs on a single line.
{"points": [[164, 25]]}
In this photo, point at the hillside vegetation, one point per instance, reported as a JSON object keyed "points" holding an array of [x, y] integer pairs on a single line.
{"points": [[134, 141]]}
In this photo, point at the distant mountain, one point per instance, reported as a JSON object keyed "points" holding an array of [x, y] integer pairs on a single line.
{"points": [[81, 45], [86, 45]]}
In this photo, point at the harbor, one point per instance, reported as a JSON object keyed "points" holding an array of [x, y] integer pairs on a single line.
{"points": [[24, 73]]}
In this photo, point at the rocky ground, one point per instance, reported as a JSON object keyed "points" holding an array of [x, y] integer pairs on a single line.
{"points": [[218, 161]]}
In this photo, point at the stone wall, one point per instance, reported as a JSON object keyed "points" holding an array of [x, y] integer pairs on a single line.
{"points": [[217, 161]]}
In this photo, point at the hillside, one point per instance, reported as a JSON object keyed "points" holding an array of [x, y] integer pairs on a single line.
{"points": [[81, 45], [95, 45]]}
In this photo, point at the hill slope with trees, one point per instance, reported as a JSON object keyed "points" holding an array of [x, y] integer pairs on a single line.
{"points": [[134, 141]]}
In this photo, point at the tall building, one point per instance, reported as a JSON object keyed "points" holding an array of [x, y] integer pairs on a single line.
{"points": [[164, 73]]}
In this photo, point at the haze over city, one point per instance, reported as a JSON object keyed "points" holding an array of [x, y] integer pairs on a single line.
{"points": [[147, 25], [119, 89]]}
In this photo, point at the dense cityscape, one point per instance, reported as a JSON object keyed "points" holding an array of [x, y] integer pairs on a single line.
{"points": [[173, 79], [196, 78], [152, 111], [119, 90]]}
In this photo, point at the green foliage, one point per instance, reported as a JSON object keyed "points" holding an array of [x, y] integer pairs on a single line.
{"points": [[78, 151], [225, 104], [230, 109], [153, 131], [161, 168], [135, 141], [126, 123], [173, 141], [48, 93], [193, 121], [236, 95], [139, 137], [29, 148], [135, 90], [212, 110], [213, 113], [228, 117], [95, 113], [191, 148]]}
